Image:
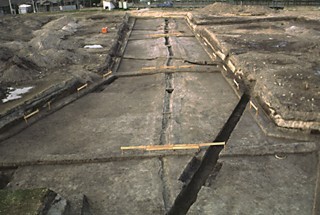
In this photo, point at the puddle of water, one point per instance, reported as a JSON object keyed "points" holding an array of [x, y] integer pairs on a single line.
{"points": [[15, 93], [93, 47]]}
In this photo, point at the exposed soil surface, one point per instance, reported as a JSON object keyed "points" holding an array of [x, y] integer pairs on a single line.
{"points": [[223, 9], [277, 54], [45, 46], [168, 88]]}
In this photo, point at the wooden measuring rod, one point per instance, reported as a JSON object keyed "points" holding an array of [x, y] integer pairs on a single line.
{"points": [[185, 66], [167, 67], [171, 146], [149, 68], [165, 35]]}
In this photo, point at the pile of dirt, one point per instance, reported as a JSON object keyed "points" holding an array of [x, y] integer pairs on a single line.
{"points": [[35, 47], [20, 28], [219, 8], [48, 49]]}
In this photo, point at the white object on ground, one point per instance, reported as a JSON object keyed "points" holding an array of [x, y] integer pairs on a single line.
{"points": [[107, 5], [93, 47], [125, 6], [16, 93], [24, 8]]}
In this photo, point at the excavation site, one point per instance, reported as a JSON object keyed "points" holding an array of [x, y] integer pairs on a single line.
{"points": [[161, 109]]}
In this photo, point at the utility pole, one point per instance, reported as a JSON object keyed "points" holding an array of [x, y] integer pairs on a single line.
{"points": [[33, 5], [10, 7]]}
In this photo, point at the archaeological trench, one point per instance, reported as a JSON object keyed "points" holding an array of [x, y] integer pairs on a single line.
{"points": [[247, 82]]}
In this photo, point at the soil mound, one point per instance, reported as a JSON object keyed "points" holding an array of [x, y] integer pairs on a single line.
{"points": [[225, 8], [48, 49]]}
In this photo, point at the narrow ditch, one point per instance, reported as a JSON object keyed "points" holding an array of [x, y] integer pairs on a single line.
{"points": [[169, 89], [189, 193], [165, 189], [166, 117]]}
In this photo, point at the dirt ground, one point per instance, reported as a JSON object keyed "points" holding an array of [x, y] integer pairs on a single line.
{"points": [[75, 150], [276, 53], [278, 57], [40, 47]]}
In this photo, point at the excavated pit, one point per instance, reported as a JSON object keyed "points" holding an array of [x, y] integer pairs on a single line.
{"points": [[169, 85]]}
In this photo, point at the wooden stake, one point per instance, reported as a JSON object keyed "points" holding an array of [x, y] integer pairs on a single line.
{"points": [[225, 69], [82, 87], [26, 117], [49, 105], [236, 83], [107, 74], [254, 106]]}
